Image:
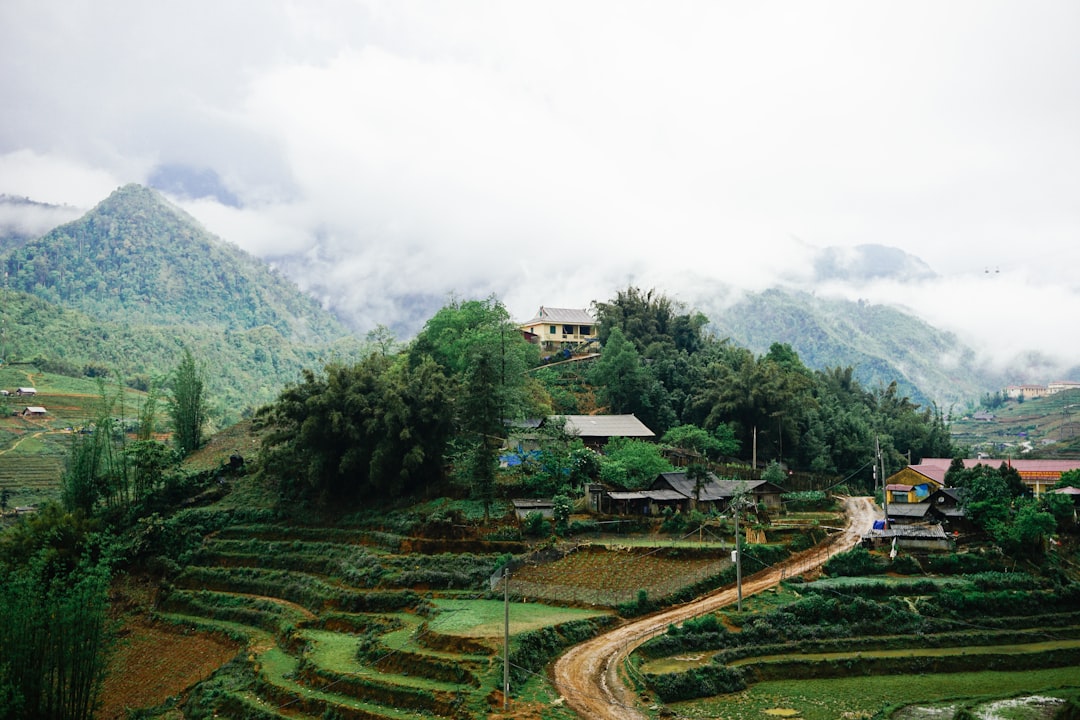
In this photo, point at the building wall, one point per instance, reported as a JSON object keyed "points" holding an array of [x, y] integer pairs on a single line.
{"points": [[550, 340]]}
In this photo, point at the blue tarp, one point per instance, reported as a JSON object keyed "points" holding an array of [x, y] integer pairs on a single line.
{"points": [[879, 524]]}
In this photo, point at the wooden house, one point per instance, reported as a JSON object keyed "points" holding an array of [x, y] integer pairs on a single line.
{"points": [[675, 491], [909, 537], [523, 507], [34, 411]]}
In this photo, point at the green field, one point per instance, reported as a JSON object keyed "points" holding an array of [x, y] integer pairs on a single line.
{"points": [[863, 697], [33, 450], [485, 618]]}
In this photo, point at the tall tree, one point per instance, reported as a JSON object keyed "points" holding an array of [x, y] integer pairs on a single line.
{"points": [[480, 425], [187, 404], [373, 430], [625, 385]]}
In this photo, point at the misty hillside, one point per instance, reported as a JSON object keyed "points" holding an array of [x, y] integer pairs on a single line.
{"points": [[23, 219], [881, 343], [136, 258], [869, 262], [121, 291], [245, 369]]}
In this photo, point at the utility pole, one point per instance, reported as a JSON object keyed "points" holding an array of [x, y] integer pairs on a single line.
{"points": [[738, 555], [884, 488], [506, 638], [753, 462]]}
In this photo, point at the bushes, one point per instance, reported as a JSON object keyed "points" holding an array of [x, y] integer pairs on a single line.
{"points": [[808, 501], [697, 683], [855, 562], [536, 648]]}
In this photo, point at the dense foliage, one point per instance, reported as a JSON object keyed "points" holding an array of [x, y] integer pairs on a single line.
{"points": [[122, 289], [444, 404], [249, 367], [667, 368], [135, 258]]}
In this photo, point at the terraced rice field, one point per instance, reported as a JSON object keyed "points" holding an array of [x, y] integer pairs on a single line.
{"points": [[332, 622], [601, 576]]}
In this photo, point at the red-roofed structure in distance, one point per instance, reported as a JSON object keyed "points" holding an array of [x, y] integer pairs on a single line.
{"points": [[1039, 475]]}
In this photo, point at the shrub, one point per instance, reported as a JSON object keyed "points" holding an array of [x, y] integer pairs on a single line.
{"points": [[534, 524], [581, 527], [700, 682], [906, 565], [807, 501], [855, 562]]}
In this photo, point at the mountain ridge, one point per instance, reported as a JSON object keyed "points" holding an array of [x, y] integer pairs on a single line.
{"points": [[135, 257], [882, 343]]}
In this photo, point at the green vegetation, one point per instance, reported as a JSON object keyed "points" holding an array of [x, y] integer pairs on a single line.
{"points": [[871, 626], [867, 697], [352, 549]]}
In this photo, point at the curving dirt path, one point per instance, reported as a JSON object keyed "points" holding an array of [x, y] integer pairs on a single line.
{"points": [[587, 676]]}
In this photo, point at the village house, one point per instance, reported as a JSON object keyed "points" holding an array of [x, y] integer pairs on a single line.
{"points": [[34, 411], [523, 436], [909, 537], [676, 491], [560, 328], [26, 391], [596, 430], [1038, 475]]}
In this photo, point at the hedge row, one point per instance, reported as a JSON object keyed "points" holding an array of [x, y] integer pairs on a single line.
{"points": [[535, 648], [717, 678], [304, 590]]}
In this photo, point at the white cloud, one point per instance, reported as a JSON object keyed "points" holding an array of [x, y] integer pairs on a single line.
{"points": [[553, 153]]}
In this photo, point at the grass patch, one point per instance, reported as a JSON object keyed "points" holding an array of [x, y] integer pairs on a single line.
{"points": [[484, 618], [865, 696]]}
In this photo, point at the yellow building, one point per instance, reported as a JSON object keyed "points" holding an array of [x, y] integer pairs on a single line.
{"points": [[559, 328]]}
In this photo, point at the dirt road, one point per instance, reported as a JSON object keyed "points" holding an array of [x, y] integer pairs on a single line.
{"points": [[587, 676]]}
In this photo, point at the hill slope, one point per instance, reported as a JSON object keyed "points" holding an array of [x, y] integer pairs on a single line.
{"points": [[881, 343], [135, 258], [246, 368]]}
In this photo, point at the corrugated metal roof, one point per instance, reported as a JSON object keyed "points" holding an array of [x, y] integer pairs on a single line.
{"points": [[935, 468], [908, 510], [910, 531], [530, 503], [713, 489], [573, 316], [606, 426], [628, 495]]}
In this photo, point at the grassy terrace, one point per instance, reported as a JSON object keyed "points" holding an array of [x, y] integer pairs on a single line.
{"points": [[863, 697], [335, 624]]}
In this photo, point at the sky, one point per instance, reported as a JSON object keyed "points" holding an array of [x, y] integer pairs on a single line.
{"points": [[389, 155]]}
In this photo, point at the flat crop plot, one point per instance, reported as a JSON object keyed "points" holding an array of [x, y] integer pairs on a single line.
{"points": [[155, 662], [484, 618], [609, 577]]}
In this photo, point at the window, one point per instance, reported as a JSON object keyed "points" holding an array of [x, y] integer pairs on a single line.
{"points": [[567, 329], [552, 330], [586, 329]]}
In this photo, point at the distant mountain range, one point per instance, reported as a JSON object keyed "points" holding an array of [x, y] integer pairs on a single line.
{"points": [[881, 343], [129, 283]]}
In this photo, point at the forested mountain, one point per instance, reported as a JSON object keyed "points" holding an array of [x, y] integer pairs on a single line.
{"points": [[135, 258], [121, 291], [245, 368], [881, 343]]}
